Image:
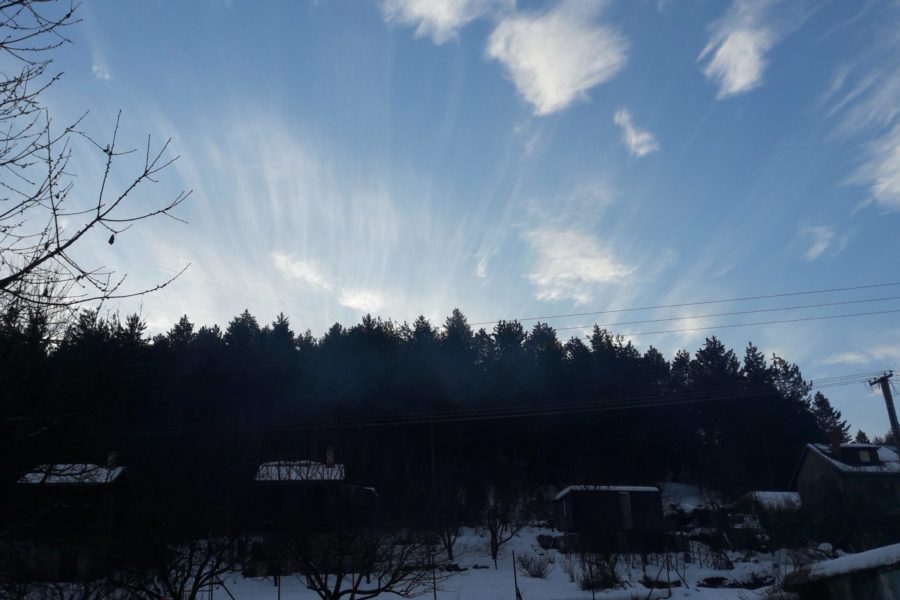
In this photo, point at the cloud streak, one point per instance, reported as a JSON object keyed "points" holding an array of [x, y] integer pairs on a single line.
{"points": [[307, 272], [440, 20], [555, 57], [362, 299], [865, 98], [735, 56], [881, 170], [822, 236], [569, 263], [638, 141]]}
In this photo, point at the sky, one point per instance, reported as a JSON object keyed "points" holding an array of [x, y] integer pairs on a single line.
{"points": [[511, 158]]}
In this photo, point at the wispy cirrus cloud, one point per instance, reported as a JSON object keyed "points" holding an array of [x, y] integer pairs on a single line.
{"points": [[881, 169], [846, 358], [100, 69], [362, 299], [735, 56], [638, 141], [881, 355], [554, 57], [304, 271], [821, 237], [569, 263], [865, 99], [440, 19]]}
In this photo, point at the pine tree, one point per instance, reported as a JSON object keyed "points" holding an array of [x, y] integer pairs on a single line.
{"points": [[861, 437], [181, 334], [828, 418]]}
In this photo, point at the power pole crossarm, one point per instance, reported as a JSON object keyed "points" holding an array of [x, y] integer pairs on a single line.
{"points": [[884, 381]]}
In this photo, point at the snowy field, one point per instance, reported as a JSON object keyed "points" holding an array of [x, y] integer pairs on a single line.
{"points": [[490, 584]]}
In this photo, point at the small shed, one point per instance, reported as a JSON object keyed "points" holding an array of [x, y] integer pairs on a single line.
{"points": [[296, 498], [308, 493], [67, 519], [873, 575], [620, 518]]}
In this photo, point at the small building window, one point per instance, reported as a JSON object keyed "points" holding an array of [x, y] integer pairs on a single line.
{"points": [[865, 456]]}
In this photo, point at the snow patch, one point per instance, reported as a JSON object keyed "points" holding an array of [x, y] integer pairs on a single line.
{"points": [[877, 558], [605, 488], [299, 470]]}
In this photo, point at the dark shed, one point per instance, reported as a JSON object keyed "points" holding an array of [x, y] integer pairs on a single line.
{"points": [[611, 517], [297, 498], [65, 521]]}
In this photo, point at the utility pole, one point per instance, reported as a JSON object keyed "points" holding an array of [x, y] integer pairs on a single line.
{"points": [[884, 380]]}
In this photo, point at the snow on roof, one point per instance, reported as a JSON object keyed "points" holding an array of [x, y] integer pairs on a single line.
{"points": [[605, 488], [886, 456], [71, 474], [775, 501], [299, 470], [685, 497], [877, 558]]}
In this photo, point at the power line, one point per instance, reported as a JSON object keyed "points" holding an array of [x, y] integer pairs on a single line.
{"points": [[748, 312], [494, 413], [732, 325], [698, 303]]}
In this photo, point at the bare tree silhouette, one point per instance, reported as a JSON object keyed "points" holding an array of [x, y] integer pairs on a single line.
{"points": [[41, 223]]}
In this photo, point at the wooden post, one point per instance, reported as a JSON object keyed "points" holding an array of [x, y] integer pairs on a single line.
{"points": [[889, 402], [433, 577], [515, 578]]}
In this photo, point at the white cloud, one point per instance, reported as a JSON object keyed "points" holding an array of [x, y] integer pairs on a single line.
{"points": [[736, 51], [886, 353], [300, 270], [555, 57], [481, 267], [638, 141], [569, 263], [846, 358], [865, 98], [881, 171], [440, 19], [882, 355], [822, 237], [100, 69], [869, 109], [361, 299]]}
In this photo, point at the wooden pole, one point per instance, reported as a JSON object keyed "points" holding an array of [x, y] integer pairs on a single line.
{"points": [[889, 402], [433, 578], [515, 578]]}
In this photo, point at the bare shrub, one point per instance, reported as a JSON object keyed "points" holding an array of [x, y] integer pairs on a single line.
{"points": [[600, 571], [534, 565], [569, 567]]}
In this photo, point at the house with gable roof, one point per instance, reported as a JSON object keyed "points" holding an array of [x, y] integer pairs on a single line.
{"points": [[855, 487]]}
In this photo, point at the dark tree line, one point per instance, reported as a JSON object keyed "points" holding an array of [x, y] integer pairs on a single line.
{"points": [[431, 416]]}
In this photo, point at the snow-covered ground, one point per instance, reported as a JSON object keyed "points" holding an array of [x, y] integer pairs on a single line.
{"points": [[498, 584]]}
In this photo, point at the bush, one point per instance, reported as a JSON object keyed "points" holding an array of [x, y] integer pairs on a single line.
{"points": [[599, 572], [569, 567], [533, 565]]}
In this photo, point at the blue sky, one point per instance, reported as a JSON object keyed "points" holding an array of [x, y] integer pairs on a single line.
{"points": [[513, 159]]}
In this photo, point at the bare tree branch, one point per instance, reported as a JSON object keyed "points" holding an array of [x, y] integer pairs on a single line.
{"points": [[39, 225]]}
